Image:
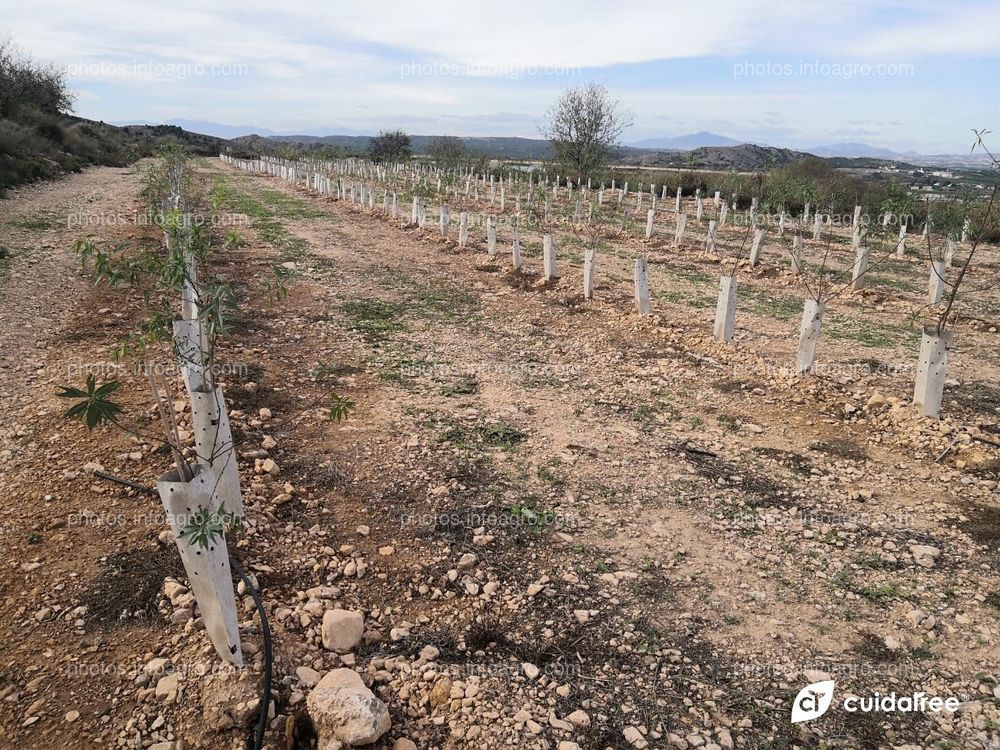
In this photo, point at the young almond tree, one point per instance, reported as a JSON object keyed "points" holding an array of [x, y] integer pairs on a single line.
{"points": [[822, 279], [976, 220]]}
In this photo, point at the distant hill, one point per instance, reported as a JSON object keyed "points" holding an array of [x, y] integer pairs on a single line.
{"points": [[856, 150], [686, 142], [745, 157], [205, 127], [38, 146], [500, 147]]}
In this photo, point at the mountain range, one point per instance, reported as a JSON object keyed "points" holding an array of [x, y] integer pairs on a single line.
{"points": [[524, 148]]}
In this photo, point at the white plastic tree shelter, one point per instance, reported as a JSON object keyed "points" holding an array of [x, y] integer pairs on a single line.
{"points": [[860, 268], [642, 285], [589, 261], [725, 310], [812, 323], [491, 235], [935, 284], [548, 257], [758, 246], [928, 390], [207, 568]]}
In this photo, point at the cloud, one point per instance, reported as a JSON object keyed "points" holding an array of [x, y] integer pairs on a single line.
{"points": [[950, 28], [308, 64]]}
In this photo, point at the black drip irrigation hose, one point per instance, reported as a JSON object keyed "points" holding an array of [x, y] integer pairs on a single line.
{"points": [[265, 692], [257, 741], [126, 483]]}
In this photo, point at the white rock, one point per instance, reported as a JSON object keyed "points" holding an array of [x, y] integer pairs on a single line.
{"points": [[343, 709], [342, 630], [166, 686], [156, 667], [307, 676]]}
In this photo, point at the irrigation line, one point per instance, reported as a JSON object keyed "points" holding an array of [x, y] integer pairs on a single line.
{"points": [[256, 742]]}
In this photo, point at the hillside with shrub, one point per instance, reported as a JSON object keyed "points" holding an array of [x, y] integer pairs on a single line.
{"points": [[40, 138]]}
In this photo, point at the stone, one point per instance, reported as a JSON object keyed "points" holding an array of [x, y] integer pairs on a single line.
{"points": [[173, 590], [166, 687], [634, 737], [925, 555], [441, 692], [72, 716], [876, 400], [156, 667], [307, 676], [342, 630], [343, 709], [579, 718], [530, 670], [557, 723], [404, 744]]}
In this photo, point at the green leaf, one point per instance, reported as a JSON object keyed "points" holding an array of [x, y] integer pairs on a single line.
{"points": [[69, 392], [95, 408], [340, 407], [107, 388]]}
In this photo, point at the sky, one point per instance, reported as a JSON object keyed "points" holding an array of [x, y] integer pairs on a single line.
{"points": [[906, 75]]}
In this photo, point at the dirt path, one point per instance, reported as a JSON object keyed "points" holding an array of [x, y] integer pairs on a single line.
{"points": [[41, 286]]}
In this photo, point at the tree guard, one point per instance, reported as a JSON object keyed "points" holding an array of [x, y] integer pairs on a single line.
{"points": [[213, 440], [207, 568]]}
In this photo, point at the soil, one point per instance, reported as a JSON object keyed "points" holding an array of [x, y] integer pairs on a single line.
{"points": [[681, 532]]}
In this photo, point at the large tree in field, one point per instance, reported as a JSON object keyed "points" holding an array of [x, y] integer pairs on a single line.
{"points": [[392, 145], [585, 127]]}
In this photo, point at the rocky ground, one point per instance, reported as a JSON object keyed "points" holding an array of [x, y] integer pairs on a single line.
{"points": [[548, 523]]}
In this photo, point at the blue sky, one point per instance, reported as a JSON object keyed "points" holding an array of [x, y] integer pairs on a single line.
{"points": [[912, 75]]}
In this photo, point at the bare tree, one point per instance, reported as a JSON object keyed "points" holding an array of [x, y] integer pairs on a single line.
{"points": [[585, 127]]}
